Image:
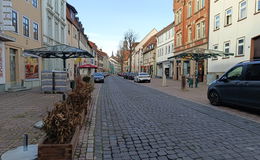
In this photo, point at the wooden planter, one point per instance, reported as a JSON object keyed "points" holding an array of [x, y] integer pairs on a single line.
{"points": [[58, 151]]}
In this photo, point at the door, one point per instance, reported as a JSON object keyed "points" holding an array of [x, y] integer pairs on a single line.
{"points": [[229, 85], [250, 87], [13, 66], [256, 45], [201, 70]]}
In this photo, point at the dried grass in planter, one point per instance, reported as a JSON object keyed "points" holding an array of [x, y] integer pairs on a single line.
{"points": [[61, 122]]}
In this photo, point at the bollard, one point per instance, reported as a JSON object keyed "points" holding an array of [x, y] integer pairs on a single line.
{"points": [[183, 82], [25, 142]]}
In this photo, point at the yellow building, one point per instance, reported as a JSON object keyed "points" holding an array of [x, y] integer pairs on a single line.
{"points": [[21, 70]]}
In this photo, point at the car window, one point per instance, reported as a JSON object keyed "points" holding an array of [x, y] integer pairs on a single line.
{"points": [[253, 72], [98, 74], [235, 74], [143, 74]]}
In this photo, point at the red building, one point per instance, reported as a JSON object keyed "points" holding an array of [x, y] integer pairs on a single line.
{"points": [[191, 31]]}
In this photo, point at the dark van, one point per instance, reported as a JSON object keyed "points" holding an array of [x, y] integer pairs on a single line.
{"points": [[240, 86]]}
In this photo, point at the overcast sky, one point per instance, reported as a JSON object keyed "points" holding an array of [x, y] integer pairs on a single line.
{"points": [[106, 21]]}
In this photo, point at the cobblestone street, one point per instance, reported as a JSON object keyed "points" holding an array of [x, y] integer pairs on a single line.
{"points": [[138, 122], [18, 113]]}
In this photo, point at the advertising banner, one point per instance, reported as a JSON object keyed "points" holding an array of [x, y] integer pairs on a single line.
{"points": [[31, 68]]}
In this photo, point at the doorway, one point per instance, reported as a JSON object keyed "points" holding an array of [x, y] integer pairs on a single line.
{"points": [[13, 58], [256, 47], [201, 70]]}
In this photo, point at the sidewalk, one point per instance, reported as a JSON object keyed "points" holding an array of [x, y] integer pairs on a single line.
{"points": [[19, 112], [198, 95], [85, 146], [174, 88]]}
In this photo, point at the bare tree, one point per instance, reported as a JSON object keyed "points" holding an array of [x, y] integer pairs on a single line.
{"points": [[130, 39], [121, 56]]}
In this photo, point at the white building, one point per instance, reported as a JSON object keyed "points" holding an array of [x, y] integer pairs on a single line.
{"points": [[235, 28], [5, 25], [137, 56], [165, 49], [54, 29]]}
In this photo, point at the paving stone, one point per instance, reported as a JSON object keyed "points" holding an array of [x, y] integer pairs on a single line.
{"points": [[151, 124]]}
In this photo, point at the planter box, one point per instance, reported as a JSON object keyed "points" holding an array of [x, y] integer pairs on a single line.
{"points": [[58, 151]]}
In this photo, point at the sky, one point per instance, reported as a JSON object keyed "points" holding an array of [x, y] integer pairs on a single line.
{"points": [[106, 21]]}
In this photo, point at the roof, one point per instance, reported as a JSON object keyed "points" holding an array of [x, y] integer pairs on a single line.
{"points": [[197, 54], [151, 40], [59, 51], [165, 29], [101, 53], [71, 7]]}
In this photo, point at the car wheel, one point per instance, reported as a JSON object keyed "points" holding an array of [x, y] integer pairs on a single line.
{"points": [[214, 98], [149, 81]]}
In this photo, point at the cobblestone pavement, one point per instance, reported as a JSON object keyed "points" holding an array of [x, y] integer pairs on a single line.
{"points": [[85, 146], [137, 122], [199, 95], [18, 113]]}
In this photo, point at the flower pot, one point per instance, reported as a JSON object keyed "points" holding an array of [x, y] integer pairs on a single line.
{"points": [[58, 151]]}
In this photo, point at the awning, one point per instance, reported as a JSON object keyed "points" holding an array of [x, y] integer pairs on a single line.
{"points": [[59, 51], [197, 54], [6, 38], [88, 66], [62, 51]]}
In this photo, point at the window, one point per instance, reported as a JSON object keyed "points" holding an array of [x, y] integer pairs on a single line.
{"points": [[180, 15], [169, 49], [257, 5], [228, 17], [56, 31], [49, 26], [189, 9], [198, 5], [62, 9], [62, 35], [56, 6], [202, 3], [235, 74], [35, 31], [25, 26], [198, 31], [253, 72], [215, 47], [35, 3], [226, 48], [203, 29], [166, 50], [14, 21], [242, 9], [240, 46], [217, 22], [189, 34]]}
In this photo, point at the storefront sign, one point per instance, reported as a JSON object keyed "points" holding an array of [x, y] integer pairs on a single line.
{"points": [[31, 68]]}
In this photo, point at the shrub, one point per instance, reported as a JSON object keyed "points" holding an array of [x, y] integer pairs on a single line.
{"points": [[61, 122]]}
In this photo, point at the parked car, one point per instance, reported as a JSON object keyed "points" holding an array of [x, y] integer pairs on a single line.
{"points": [[126, 74], [142, 77], [99, 77], [239, 86], [106, 74], [131, 76]]}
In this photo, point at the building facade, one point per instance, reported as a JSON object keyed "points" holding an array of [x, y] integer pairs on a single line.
{"points": [[191, 31], [54, 29], [234, 28], [21, 69], [137, 55], [5, 25], [149, 56], [164, 50]]}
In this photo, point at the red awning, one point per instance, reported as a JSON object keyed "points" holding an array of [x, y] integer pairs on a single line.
{"points": [[88, 66]]}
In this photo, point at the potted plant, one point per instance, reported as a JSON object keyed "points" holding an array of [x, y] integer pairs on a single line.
{"points": [[62, 125]]}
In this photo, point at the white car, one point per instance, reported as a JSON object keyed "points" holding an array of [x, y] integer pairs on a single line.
{"points": [[142, 77]]}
